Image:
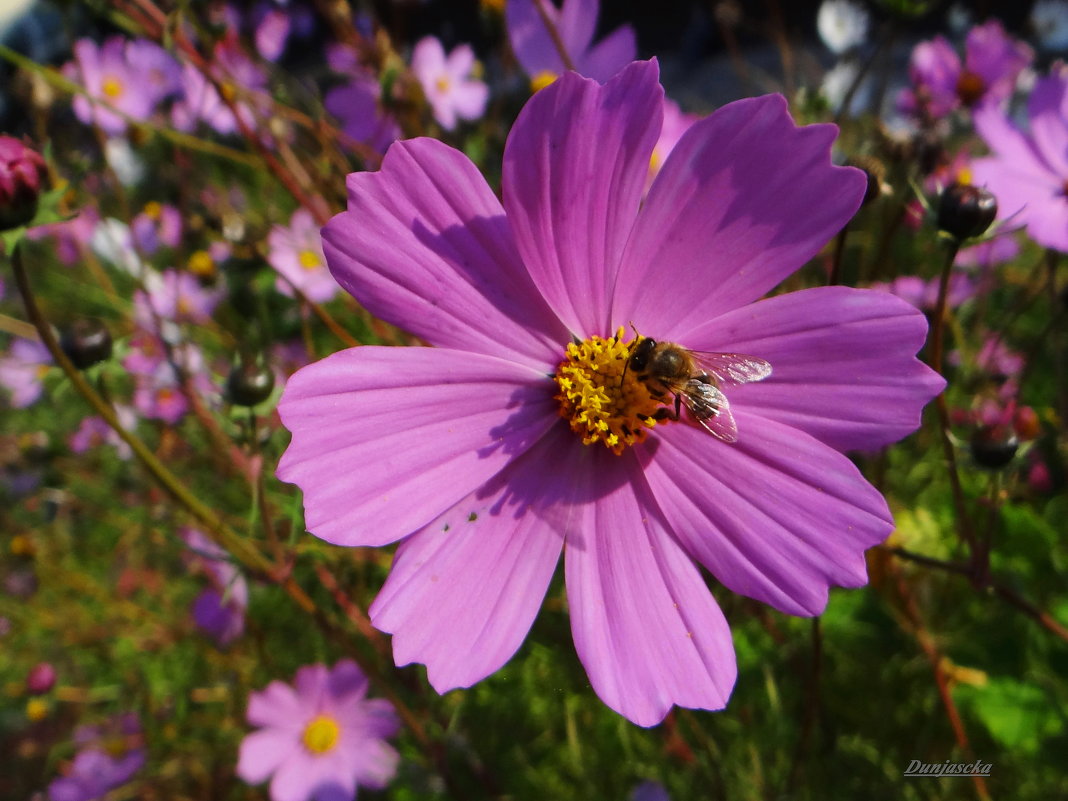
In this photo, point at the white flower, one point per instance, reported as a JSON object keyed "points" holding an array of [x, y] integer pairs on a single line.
{"points": [[112, 242], [124, 161], [842, 25], [836, 83], [1049, 18]]}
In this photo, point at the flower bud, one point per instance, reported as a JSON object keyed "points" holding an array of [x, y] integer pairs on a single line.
{"points": [[86, 342], [249, 383], [40, 679], [994, 446], [965, 210], [22, 172]]}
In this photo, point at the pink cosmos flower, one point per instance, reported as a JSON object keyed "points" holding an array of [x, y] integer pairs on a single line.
{"points": [[93, 432], [201, 101], [71, 237], [447, 83], [23, 370], [992, 62], [296, 252], [159, 225], [475, 447], [320, 738], [576, 22], [174, 296], [1028, 171], [359, 110], [923, 293], [130, 77]]}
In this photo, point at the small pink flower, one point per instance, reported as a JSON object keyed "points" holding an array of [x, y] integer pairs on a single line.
{"points": [[296, 252], [447, 83], [93, 432], [320, 738]]}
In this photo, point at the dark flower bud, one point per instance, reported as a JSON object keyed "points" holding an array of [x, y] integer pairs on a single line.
{"points": [[40, 679], [249, 384], [993, 446], [22, 172], [86, 342], [965, 211]]}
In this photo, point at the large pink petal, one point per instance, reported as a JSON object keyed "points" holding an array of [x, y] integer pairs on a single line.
{"points": [[1026, 198], [530, 40], [463, 592], [1047, 108], [844, 366], [777, 516], [425, 245], [1008, 142], [385, 439], [276, 705], [745, 198], [646, 627], [263, 751], [577, 23], [574, 169]]}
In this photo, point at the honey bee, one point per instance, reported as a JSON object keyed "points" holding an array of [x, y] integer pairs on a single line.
{"points": [[694, 378]]}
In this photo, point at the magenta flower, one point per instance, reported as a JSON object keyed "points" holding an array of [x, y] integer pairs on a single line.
{"points": [[201, 101], [159, 225], [296, 252], [93, 432], [923, 293], [447, 83], [475, 448], [359, 110], [576, 22], [320, 738], [174, 296], [992, 62], [1028, 171]]}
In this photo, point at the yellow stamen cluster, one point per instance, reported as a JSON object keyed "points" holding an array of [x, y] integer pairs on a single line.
{"points": [[602, 401], [542, 79], [321, 734], [112, 88], [309, 259]]}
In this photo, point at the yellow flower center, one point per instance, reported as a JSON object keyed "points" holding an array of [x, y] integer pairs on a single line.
{"points": [[655, 160], [36, 709], [309, 259], [42, 371], [201, 264], [542, 79], [321, 735], [112, 88], [964, 176], [602, 400], [442, 84], [153, 210]]}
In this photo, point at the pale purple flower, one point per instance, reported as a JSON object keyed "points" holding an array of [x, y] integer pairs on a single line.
{"points": [[296, 252], [359, 110], [130, 77], [650, 791], [941, 83], [93, 432], [988, 253], [576, 22], [159, 225], [22, 371], [111, 754], [219, 610], [998, 359], [473, 465], [201, 101], [320, 738], [923, 293], [174, 296], [447, 81], [1028, 171], [71, 236], [158, 392]]}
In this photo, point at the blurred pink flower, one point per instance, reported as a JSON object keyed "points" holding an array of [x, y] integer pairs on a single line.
{"points": [[219, 611], [71, 236], [923, 293], [447, 83], [359, 110], [320, 738], [296, 252], [201, 101], [1028, 171], [111, 754], [159, 225], [477, 471], [131, 77], [576, 22], [93, 432], [992, 62], [23, 370]]}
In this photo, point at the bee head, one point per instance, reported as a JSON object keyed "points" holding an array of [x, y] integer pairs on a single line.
{"points": [[643, 350]]}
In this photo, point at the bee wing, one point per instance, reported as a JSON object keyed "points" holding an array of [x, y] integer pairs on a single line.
{"points": [[732, 368], [710, 408]]}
